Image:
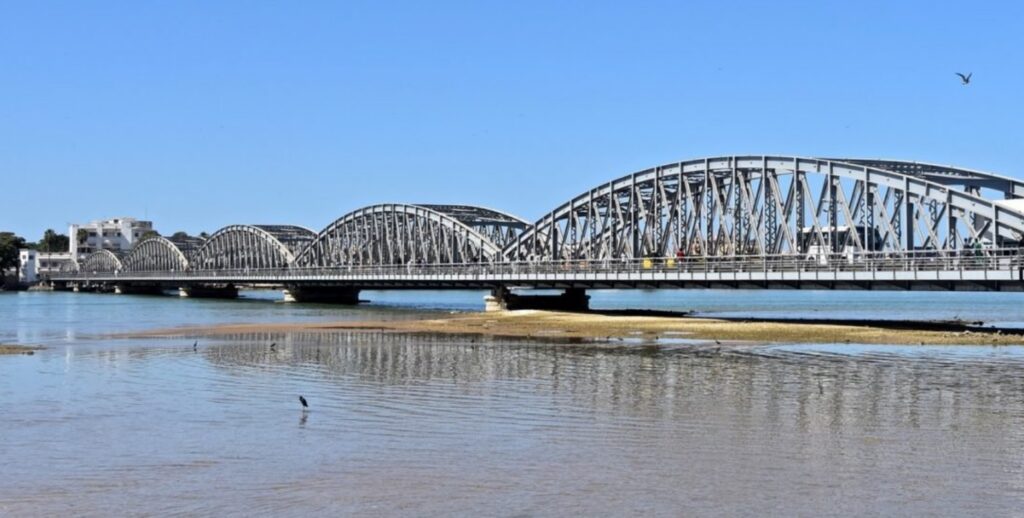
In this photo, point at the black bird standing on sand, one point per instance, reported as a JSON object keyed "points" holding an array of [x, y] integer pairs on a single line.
{"points": [[273, 345], [965, 79], [195, 345], [304, 403]]}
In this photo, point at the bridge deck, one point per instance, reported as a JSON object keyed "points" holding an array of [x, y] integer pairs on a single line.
{"points": [[994, 272]]}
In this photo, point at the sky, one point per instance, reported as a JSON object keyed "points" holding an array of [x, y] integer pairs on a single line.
{"points": [[198, 115]]}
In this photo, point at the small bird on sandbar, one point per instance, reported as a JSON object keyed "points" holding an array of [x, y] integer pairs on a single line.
{"points": [[195, 345], [305, 404], [965, 79], [273, 345]]}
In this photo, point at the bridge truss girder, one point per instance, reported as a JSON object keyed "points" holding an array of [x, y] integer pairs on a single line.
{"points": [[966, 179], [764, 205], [101, 261], [155, 253], [251, 246], [394, 233], [498, 227]]}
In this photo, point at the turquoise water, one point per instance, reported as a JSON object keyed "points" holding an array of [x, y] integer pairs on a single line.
{"points": [[447, 425]]}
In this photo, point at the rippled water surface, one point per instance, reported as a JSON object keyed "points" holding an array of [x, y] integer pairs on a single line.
{"points": [[429, 425]]}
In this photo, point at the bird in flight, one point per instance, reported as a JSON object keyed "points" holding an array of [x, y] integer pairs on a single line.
{"points": [[965, 79], [303, 401]]}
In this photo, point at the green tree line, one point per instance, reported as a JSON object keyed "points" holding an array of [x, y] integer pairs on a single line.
{"points": [[10, 243]]}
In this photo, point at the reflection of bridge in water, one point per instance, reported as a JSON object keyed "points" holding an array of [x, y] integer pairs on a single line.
{"points": [[724, 222], [659, 377]]}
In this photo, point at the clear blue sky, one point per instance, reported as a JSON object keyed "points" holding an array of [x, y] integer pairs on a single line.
{"points": [[202, 114]]}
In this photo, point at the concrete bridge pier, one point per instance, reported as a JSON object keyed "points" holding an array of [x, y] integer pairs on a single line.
{"points": [[132, 289], [322, 294], [573, 299], [93, 288], [209, 291]]}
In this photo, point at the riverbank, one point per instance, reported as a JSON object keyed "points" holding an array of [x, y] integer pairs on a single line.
{"points": [[615, 326]]}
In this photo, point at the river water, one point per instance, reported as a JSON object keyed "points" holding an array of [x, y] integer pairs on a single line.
{"points": [[439, 425]]}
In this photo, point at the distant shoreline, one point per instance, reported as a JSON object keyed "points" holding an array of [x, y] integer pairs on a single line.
{"points": [[647, 326]]}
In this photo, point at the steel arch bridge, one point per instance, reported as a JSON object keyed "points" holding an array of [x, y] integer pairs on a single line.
{"points": [[101, 261], [970, 180], [251, 247], [158, 253], [770, 206], [759, 221], [498, 227], [402, 234]]}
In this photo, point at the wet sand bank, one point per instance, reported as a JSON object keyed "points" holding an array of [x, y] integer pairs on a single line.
{"points": [[619, 325], [18, 349]]}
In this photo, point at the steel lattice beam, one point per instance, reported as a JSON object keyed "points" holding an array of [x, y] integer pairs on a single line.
{"points": [[397, 233], [155, 254], [101, 261], [765, 205], [251, 246]]}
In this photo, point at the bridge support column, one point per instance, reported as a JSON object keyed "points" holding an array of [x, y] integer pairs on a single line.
{"points": [[209, 291], [322, 294], [131, 289], [573, 299]]}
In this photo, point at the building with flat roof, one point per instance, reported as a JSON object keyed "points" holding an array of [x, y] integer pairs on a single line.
{"points": [[38, 266], [116, 235]]}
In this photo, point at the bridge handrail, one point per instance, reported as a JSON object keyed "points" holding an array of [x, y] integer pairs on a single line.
{"points": [[923, 260]]}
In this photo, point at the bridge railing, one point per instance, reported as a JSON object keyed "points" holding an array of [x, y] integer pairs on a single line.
{"points": [[925, 260]]}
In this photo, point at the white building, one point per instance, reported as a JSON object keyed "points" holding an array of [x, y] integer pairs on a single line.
{"points": [[118, 234], [36, 265]]}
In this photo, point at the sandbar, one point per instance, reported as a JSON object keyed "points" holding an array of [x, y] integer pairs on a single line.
{"points": [[610, 326]]}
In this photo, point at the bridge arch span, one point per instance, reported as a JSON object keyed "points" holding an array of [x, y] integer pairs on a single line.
{"points": [[398, 233], [771, 205], [237, 247], [157, 253], [101, 261], [498, 227], [969, 180]]}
